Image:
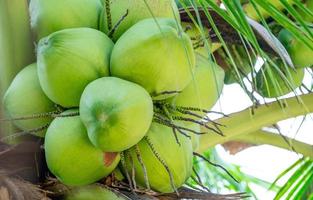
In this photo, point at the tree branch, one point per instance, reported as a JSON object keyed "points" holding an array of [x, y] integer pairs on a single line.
{"points": [[253, 119], [263, 137]]}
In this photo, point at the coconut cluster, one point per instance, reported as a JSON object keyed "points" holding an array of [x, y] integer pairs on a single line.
{"points": [[116, 85]]}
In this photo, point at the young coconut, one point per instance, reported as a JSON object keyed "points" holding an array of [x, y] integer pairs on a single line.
{"points": [[25, 98], [205, 88], [124, 14], [70, 59], [159, 161], [49, 16], [154, 54], [309, 5], [271, 83], [252, 13], [244, 63], [117, 113], [201, 41], [301, 54], [94, 192], [188, 3], [71, 157]]}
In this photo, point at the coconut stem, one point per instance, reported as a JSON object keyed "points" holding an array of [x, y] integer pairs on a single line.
{"points": [[112, 31], [179, 118], [133, 178], [156, 154], [144, 169], [264, 137], [193, 187], [180, 129], [246, 121], [165, 93], [18, 134], [167, 113], [126, 171], [199, 181], [108, 13], [53, 114], [200, 110], [215, 165], [187, 112]]}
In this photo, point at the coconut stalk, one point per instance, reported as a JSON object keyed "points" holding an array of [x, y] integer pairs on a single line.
{"points": [[253, 119], [16, 46], [263, 137]]}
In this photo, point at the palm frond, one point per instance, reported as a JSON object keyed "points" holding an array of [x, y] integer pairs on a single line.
{"points": [[299, 185]]}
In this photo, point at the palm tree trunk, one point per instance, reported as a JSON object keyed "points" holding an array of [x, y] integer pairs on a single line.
{"points": [[16, 45]]}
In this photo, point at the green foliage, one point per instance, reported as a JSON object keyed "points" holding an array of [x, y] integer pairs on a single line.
{"points": [[217, 179], [300, 185]]}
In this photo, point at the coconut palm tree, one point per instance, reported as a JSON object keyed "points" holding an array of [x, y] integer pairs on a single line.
{"points": [[234, 34]]}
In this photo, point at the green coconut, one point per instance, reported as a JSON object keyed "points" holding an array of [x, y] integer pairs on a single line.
{"points": [[155, 55], [25, 98], [244, 63], [205, 88], [253, 13], [71, 157], [178, 159], [301, 54], [201, 46], [187, 3], [134, 11], [70, 59], [94, 192], [116, 112], [49, 16], [270, 83], [309, 5]]}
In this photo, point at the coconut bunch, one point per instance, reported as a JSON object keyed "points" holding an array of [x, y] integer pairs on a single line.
{"points": [[116, 85]]}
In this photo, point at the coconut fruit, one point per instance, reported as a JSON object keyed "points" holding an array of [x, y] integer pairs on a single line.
{"points": [[244, 63], [49, 16], [188, 3], [116, 112], [164, 153], [69, 59], [271, 83], [25, 98], [301, 54], [126, 13], [71, 157], [309, 5], [205, 88], [200, 41], [253, 13], [94, 192], [154, 54]]}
